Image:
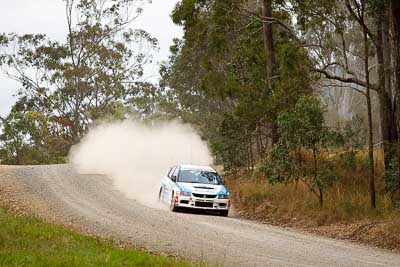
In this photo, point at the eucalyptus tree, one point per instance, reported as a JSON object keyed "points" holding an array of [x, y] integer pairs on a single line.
{"points": [[341, 36], [395, 15], [83, 78], [304, 129], [219, 73], [94, 73]]}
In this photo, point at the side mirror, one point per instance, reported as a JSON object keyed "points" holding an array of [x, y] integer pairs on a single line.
{"points": [[173, 178]]}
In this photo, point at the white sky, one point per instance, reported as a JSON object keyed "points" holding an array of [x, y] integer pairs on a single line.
{"points": [[47, 16]]}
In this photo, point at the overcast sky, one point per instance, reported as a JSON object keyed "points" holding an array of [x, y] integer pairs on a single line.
{"points": [[47, 16]]}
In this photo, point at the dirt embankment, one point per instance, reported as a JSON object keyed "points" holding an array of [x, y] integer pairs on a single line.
{"points": [[90, 203]]}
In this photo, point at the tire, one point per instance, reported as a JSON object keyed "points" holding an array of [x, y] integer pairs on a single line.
{"points": [[172, 206], [224, 213]]}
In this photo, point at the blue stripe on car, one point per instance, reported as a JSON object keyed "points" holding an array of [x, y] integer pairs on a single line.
{"points": [[222, 191]]}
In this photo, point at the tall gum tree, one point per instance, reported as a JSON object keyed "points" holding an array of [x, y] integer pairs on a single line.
{"points": [[395, 15], [89, 75], [269, 47]]}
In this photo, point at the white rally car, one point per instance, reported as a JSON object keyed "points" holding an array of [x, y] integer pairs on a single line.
{"points": [[197, 187]]}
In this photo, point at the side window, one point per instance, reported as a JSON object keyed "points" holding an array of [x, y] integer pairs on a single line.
{"points": [[171, 171], [176, 172]]}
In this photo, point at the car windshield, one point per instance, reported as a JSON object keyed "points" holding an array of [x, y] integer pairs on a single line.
{"points": [[199, 177]]}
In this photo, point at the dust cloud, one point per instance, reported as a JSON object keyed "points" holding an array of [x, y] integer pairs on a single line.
{"points": [[137, 156]]}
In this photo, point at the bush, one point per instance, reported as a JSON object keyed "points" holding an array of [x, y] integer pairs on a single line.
{"points": [[303, 132]]}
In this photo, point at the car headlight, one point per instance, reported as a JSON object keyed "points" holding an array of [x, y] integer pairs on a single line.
{"points": [[185, 194], [223, 196]]}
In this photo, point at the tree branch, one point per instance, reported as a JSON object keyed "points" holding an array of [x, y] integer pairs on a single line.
{"points": [[352, 80], [360, 19]]}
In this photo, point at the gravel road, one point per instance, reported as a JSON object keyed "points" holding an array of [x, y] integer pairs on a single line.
{"points": [[90, 203]]}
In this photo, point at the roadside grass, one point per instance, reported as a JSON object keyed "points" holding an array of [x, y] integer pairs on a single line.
{"points": [[293, 203], [27, 241], [346, 213]]}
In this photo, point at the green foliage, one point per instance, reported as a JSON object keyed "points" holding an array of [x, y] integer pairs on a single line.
{"points": [[94, 74], [354, 138], [279, 167], [299, 155], [354, 133], [305, 126], [230, 147], [33, 138], [392, 181], [28, 241], [216, 77]]}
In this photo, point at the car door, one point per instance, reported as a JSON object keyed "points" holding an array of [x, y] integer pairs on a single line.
{"points": [[167, 185], [173, 185]]}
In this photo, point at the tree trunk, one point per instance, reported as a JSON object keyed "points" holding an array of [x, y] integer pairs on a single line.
{"points": [[395, 12], [251, 154], [387, 116], [274, 131], [315, 170], [370, 129], [371, 154], [269, 40], [387, 51], [258, 141], [395, 8], [271, 60], [321, 198]]}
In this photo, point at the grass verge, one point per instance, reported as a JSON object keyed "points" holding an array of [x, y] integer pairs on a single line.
{"points": [[27, 241]]}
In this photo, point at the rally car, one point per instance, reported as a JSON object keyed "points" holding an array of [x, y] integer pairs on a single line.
{"points": [[196, 187]]}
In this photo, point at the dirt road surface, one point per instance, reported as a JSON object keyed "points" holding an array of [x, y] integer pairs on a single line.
{"points": [[90, 203]]}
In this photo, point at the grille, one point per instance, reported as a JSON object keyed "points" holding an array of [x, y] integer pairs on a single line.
{"points": [[222, 204], [204, 196], [204, 204]]}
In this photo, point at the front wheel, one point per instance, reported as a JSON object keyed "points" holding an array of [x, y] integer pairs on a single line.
{"points": [[223, 213], [172, 206]]}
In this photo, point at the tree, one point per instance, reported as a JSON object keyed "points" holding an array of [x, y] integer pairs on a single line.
{"points": [[395, 12], [379, 10], [269, 47], [94, 74], [217, 76], [303, 131], [32, 138], [336, 29], [82, 79], [394, 181], [360, 16]]}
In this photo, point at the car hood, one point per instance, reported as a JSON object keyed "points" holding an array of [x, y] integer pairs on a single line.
{"points": [[202, 188]]}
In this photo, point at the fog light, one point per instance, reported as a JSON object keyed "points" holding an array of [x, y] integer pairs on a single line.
{"points": [[223, 196]]}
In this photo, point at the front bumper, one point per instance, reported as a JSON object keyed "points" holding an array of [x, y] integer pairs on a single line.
{"points": [[202, 203]]}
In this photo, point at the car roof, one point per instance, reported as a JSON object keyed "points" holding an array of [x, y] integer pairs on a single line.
{"points": [[196, 167]]}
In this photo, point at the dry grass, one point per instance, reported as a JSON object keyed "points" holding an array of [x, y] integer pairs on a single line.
{"points": [[346, 205]]}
